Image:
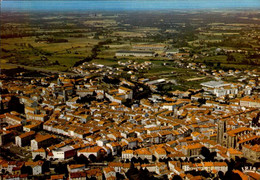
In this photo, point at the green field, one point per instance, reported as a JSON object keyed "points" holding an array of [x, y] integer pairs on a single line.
{"points": [[26, 51]]}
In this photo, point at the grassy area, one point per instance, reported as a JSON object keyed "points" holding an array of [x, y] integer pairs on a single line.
{"points": [[108, 62], [28, 52], [214, 59]]}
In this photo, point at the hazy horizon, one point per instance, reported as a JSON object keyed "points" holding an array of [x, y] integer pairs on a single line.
{"points": [[127, 5]]}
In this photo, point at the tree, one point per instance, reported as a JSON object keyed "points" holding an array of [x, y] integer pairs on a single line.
{"points": [[133, 160], [120, 176], [154, 158], [26, 170], [46, 166], [14, 105], [140, 160], [143, 173], [231, 58], [205, 152], [100, 158], [212, 156], [37, 158], [92, 158], [146, 161], [82, 160], [192, 160], [220, 174], [232, 175], [176, 177], [218, 64], [109, 157], [131, 171]]}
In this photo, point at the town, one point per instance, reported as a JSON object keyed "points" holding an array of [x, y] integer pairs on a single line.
{"points": [[130, 96], [71, 125]]}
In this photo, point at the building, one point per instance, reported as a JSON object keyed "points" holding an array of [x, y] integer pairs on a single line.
{"points": [[36, 167], [24, 139], [221, 130], [136, 53], [160, 153], [128, 93], [192, 149], [233, 138], [42, 141], [6, 137], [72, 168], [96, 151], [37, 117], [251, 152], [143, 153], [127, 154], [216, 87], [64, 152], [41, 152], [150, 47], [250, 101], [109, 173], [14, 120]]}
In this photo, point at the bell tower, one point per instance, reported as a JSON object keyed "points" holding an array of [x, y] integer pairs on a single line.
{"points": [[222, 128]]}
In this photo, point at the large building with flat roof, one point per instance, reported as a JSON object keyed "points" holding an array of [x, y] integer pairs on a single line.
{"points": [[214, 84], [136, 53]]}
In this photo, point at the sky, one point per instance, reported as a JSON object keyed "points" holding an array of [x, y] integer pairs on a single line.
{"points": [[125, 5]]}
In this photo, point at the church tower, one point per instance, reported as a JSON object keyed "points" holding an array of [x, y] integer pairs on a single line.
{"points": [[222, 128]]}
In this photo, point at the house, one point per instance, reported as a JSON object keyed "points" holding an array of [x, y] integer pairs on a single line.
{"points": [[15, 177], [31, 110], [37, 117], [161, 168], [64, 152], [42, 141], [58, 177], [251, 152], [127, 154], [126, 91], [173, 164], [131, 142], [115, 147], [78, 175], [109, 173], [24, 139], [165, 136], [95, 173], [252, 101], [36, 167], [192, 149], [143, 153], [171, 106], [232, 153], [96, 151], [14, 120], [18, 127], [6, 137], [72, 168], [160, 153], [41, 152], [32, 127]]}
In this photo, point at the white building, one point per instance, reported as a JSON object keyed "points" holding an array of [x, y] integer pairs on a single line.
{"points": [[136, 53], [63, 153]]}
